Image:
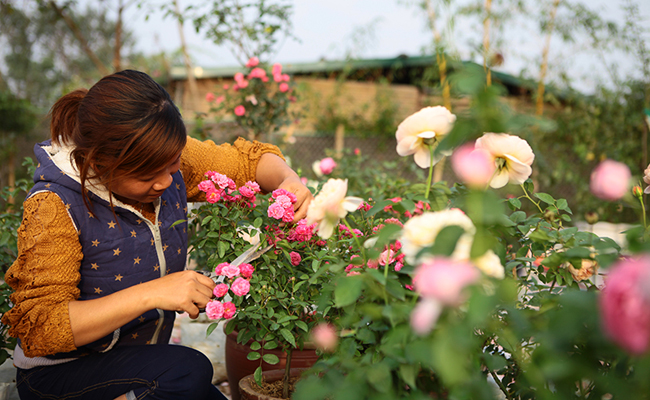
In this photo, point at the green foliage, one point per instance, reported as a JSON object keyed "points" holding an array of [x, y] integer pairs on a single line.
{"points": [[250, 28]]}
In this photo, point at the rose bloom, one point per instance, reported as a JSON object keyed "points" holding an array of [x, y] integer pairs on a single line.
{"points": [[219, 268], [220, 290], [295, 258], [330, 205], [240, 287], [512, 156], [327, 165], [229, 309], [586, 271], [625, 304], [252, 62], [214, 310], [424, 315], [246, 270], [490, 264], [421, 231], [425, 128], [283, 87], [230, 271], [444, 279], [325, 337], [473, 166], [240, 110], [209, 97], [610, 180]]}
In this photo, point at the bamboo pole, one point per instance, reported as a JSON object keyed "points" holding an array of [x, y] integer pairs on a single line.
{"points": [[191, 80], [486, 41], [539, 109]]}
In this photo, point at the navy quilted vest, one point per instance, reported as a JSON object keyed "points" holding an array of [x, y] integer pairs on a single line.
{"points": [[120, 250]]}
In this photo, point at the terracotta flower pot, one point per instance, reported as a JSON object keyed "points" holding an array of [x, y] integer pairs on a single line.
{"points": [[238, 366], [250, 391]]}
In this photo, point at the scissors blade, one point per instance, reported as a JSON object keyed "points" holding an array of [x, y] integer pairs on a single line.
{"points": [[251, 254]]}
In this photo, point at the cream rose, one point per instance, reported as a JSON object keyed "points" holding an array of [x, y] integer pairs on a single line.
{"points": [[512, 155], [330, 205], [425, 128]]}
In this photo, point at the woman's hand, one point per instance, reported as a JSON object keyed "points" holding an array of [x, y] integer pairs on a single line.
{"points": [[303, 196], [185, 291]]}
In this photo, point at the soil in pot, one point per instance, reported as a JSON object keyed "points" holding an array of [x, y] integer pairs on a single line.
{"points": [[271, 385]]}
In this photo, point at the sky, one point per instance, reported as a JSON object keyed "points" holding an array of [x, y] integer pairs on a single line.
{"points": [[327, 29]]}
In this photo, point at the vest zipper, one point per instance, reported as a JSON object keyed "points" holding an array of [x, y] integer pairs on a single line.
{"points": [[163, 266]]}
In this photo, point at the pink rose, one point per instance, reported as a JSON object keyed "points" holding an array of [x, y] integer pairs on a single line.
{"points": [[252, 62], [240, 287], [283, 87], [220, 290], [209, 97], [220, 99], [213, 196], [276, 211], [286, 78], [386, 257], [610, 180], [327, 165], [276, 69], [625, 304], [325, 337], [246, 270], [230, 271], [424, 315], [444, 280], [295, 258], [257, 73], [240, 110], [206, 186], [229, 310], [214, 310], [219, 268], [474, 167]]}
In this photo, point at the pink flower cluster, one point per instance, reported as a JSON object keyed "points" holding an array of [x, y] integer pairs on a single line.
{"points": [[420, 207], [238, 277], [219, 187], [390, 255], [281, 205]]}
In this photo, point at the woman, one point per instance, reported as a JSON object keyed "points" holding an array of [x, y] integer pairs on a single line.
{"points": [[100, 272]]}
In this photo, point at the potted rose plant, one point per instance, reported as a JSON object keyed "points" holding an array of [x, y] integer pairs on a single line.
{"points": [[273, 301]]}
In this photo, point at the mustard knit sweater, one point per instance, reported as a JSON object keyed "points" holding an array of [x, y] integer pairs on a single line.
{"points": [[46, 273]]}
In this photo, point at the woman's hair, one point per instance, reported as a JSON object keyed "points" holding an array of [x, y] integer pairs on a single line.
{"points": [[126, 125]]}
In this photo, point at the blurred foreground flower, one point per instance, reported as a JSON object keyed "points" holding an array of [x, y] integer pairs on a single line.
{"points": [[610, 180], [325, 337], [625, 304], [423, 131], [473, 166], [324, 166], [512, 157], [330, 205], [440, 282]]}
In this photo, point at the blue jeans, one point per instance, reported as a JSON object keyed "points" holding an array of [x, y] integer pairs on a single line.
{"points": [[150, 372]]}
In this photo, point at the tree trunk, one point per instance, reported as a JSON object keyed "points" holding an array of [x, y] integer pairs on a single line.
{"points": [[191, 81], [117, 58], [80, 38]]}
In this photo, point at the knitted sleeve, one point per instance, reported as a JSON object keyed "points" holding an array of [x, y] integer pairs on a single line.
{"points": [[237, 161], [44, 277]]}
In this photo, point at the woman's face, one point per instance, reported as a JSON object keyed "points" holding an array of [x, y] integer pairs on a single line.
{"points": [[145, 189]]}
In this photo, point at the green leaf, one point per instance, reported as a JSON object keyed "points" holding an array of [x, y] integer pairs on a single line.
{"points": [[222, 247], [253, 355], [546, 198], [515, 203], [288, 336], [302, 325], [409, 372], [271, 359], [180, 221], [347, 291], [258, 376], [256, 346], [211, 328], [270, 345]]}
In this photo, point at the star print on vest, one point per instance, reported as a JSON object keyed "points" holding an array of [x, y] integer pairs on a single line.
{"points": [[108, 240]]}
